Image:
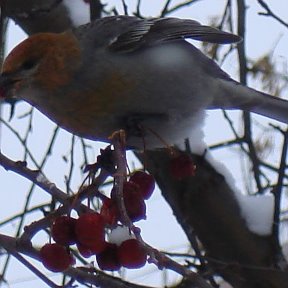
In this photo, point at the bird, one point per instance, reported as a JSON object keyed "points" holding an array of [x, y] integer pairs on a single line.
{"points": [[122, 72]]}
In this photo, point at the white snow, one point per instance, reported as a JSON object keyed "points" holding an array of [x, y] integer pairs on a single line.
{"points": [[79, 11], [196, 135], [257, 211], [41, 178], [119, 234]]}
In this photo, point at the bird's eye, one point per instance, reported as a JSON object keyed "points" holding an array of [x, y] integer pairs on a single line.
{"points": [[29, 64]]}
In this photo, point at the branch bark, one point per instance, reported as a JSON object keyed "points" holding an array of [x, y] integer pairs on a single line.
{"points": [[206, 205]]}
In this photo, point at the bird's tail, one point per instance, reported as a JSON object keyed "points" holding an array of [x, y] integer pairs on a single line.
{"points": [[237, 96]]}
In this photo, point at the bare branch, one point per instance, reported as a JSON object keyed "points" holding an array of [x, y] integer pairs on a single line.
{"points": [[278, 190], [166, 12], [269, 13]]}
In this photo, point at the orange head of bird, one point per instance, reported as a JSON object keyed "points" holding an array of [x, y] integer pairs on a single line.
{"points": [[43, 62]]}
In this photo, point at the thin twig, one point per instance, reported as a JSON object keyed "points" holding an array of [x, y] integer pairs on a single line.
{"points": [[21, 141], [40, 180], [278, 190], [179, 6], [96, 8], [125, 7], [243, 79], [70, 173], [270, 13], [138, 10], [20, 215], [165, 8], [28, 131], [84, 150]]}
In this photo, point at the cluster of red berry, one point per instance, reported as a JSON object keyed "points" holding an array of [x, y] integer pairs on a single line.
{"points": [[135, 191], [88, 231]]}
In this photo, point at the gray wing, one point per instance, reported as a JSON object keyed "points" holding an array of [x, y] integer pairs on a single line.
{"points": [[127, 34]]}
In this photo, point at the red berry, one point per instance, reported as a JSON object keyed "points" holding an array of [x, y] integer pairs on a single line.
{"points": [[84, 251], [89, 231], [132, 254], [56, 257], [182, 166], [133, 200], [109, 211], [146, 183], [108, 258], [63, 230]]}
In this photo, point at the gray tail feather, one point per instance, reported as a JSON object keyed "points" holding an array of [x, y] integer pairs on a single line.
{"points": [[237, 96], [272, 107]]}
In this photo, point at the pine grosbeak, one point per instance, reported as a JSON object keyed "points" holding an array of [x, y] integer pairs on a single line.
{"points": [[130, 73]]}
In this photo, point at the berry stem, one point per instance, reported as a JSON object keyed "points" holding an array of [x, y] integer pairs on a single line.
{"points": [[118, 139]]}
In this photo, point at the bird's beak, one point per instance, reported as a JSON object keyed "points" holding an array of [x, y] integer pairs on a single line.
{"points": [[7, 85]]}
